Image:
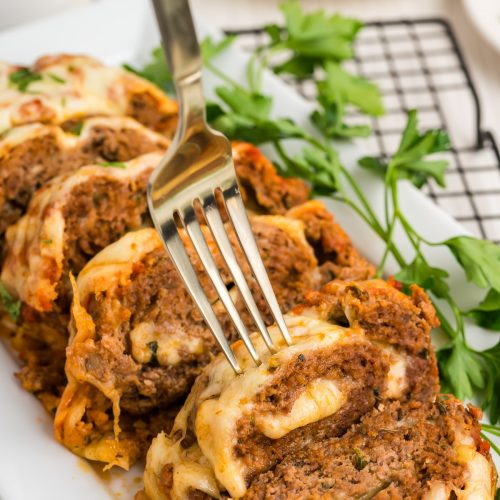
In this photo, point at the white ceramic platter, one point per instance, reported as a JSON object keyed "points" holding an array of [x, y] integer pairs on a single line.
{"points": [[32, 464], [485, 15]]}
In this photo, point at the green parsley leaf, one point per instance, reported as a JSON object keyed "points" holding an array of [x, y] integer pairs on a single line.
{"points": [[487, 313], [11, 305], [317, 35], [156, 71], [248, 104], [153, 347], [115, 164], [429, 278], [409, 160], [23, 77], [480, 260], [341, 86], [210, 49], [75, 128], [461, 368], [300, 67], [359, 461], [491, 358], [56, 78], [329, 120]]}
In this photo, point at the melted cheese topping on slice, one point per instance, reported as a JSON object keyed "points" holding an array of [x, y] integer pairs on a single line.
{"points": [[69, 87], [218, 405], [216, 418]]}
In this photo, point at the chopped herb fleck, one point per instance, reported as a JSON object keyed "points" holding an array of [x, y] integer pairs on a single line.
{"points": [[301, 357], [115, 164], [326, 486], [153, 347], [441, 407], [47, 242], [23, 77], [11, 305], [76, 128], [56, 78], [360, 461]]}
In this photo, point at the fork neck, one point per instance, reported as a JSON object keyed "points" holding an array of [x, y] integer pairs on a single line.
{"points": [[192, 103]]}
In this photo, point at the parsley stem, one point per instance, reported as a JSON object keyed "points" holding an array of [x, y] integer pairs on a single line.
{"points": [[491, 429], [218, 73]]}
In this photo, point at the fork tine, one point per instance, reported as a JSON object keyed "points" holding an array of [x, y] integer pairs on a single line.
{"points": [[241, 224], [194, 231], [179, 257], [218, 230]]}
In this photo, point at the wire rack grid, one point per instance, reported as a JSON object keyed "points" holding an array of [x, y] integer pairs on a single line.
{"points": [[418, 64]]}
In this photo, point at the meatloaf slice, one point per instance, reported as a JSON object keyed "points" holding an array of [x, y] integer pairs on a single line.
{"points": [[234, 428], [415, 450], [69, 87], [70, 220], [33, 154], [138, 338]]}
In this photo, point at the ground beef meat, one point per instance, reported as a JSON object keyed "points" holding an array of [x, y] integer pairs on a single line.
{"points": [[396, 451]]}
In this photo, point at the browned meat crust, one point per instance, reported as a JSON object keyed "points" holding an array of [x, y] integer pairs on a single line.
{"points": [[262, 188], [396, 451], [337, 256]]}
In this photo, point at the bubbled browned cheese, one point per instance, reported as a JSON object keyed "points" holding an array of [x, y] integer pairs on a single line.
{"points": [[69, 87]]}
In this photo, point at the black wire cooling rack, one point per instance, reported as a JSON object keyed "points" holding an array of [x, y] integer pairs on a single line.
{"points": [[418, 64]]}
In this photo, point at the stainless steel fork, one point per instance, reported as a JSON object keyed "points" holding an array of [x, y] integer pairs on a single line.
{"points": [[198, 165]]}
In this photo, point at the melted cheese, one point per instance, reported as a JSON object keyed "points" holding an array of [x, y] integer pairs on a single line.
{"points": [[69, 87], [319, 399], [170, 345], [67, 141]]}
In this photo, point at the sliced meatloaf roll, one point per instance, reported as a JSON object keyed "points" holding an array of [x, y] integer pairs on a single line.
{"points": [[62, 88], [33, 154], [137, 339], [355, 347], [68, 221]]}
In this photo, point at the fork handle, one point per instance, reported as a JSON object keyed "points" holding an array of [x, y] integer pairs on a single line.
{"points": [[183, 55]]}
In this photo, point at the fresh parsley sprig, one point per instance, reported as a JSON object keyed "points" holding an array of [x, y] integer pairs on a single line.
{"points": [[318, 43]]}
